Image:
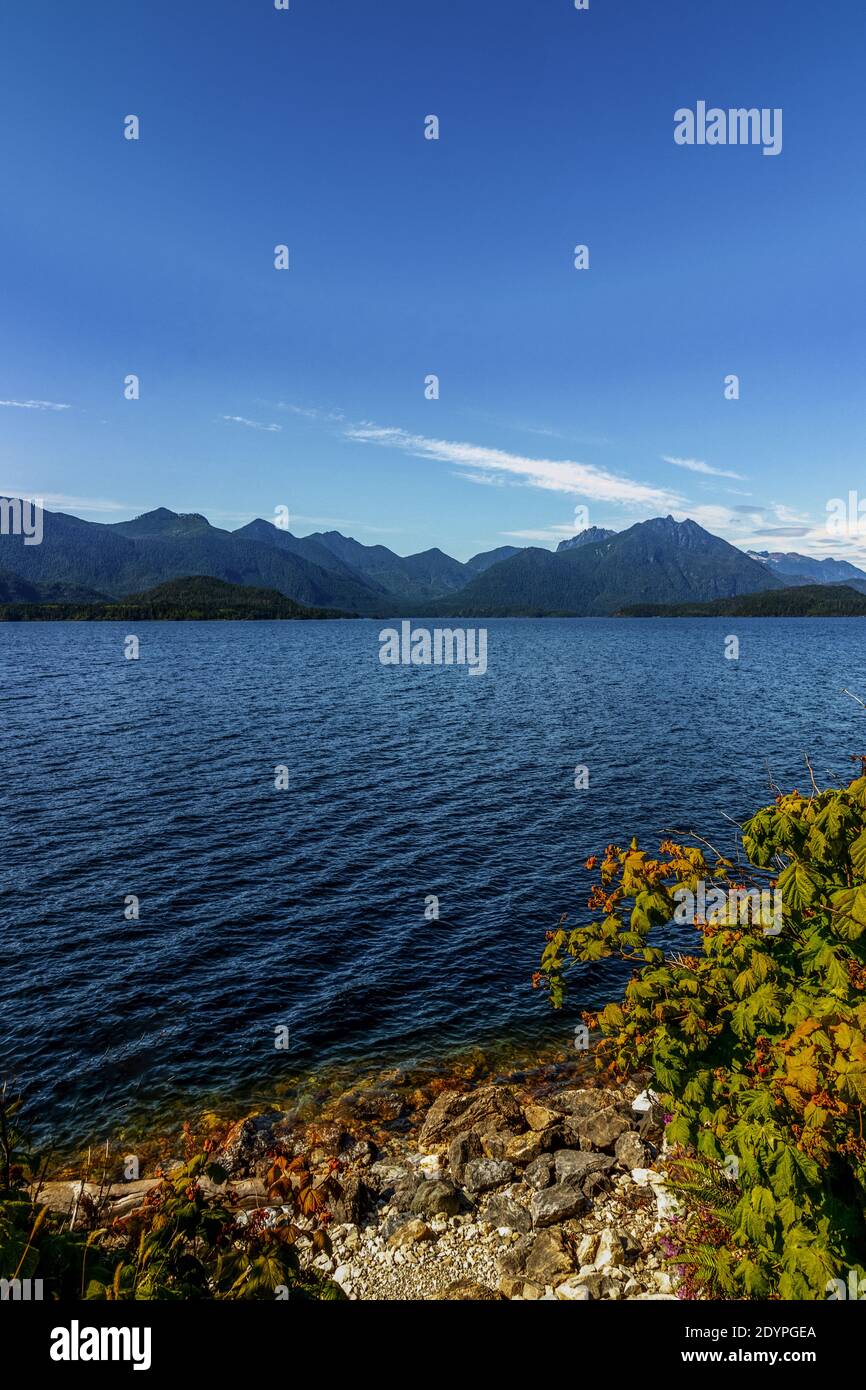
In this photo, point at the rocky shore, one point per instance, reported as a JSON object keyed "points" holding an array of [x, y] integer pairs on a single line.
{"points": [[498, 1190]]}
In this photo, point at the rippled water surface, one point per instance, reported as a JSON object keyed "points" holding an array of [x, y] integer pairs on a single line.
{"points": [[305, 907]]}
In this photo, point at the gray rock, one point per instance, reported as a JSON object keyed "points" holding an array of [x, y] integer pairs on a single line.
{"points": [[246, 1143], [512, 1263], [555, 1204], [587, 1100], [595, 1185], [354, 1201], [486, 1109], [435, 1198], [461, 1150], [384, 1175], [591, 1281], [539, 1173], [481, 1174], [651, 1126], [600, 1130], [404, 1193], [572, 1165], [630, 1151], [504, 1211]]}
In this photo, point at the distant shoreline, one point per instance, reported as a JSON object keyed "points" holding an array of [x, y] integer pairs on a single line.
{"points": [[203, 599]]}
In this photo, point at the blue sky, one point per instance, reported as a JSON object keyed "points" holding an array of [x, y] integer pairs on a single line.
{"points": [[558, 388]]}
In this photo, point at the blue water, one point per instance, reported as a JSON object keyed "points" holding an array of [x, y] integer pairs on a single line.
{"points": [[305, 907]]}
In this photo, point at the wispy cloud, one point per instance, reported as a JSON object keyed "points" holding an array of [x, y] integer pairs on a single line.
{"points": [[36, 405], [698, 466], [310, 412], [798, 532], [484, 479], [553, 533], [252, 424], [63, 500], [552, 475]]}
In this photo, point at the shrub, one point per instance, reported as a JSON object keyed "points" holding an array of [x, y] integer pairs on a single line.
{"points": [[184, 1241], [756, 1042]]}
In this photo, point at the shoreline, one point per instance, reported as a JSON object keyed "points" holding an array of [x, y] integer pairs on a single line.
{"points": [[334, 1088], [543, 1182]]}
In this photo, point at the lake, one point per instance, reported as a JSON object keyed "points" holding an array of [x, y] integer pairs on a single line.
{"points": [[303, 907]]}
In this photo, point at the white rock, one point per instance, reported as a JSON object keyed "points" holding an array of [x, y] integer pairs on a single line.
{"points": [[667, 1205], [645, 1177], [428, 1164], [644, 1102], [610, 1251], [572, 1292]]}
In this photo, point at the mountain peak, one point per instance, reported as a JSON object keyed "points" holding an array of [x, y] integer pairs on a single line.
{"points": [[587, 537], [162, 522]]}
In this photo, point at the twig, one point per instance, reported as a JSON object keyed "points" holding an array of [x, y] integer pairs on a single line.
{"points": [[693, 835]]}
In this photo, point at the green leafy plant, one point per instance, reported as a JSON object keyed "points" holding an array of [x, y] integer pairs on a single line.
{"points": [[186, 1243], [756, 1041], [33, 1243], [187, 1240]]}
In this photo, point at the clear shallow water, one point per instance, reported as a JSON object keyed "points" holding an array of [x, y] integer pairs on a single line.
{"points": [[305, 907]]}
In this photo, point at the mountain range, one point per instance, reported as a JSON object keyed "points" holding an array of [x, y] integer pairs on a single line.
{"points": [[595, 573], [802, 569]]}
